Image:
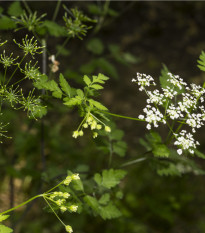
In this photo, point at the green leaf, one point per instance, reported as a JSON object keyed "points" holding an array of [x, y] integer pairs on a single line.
{"points": [[116, 134], [80, 93], [171, 170], [39, 111], [165, 83], [40, 83], [54, 29], [160, 150], [78, 185], [15, 9], [153, 137], [96, 86], [98, 105], [5, 229], [64, 85], [62, 50], [129, 58], [120, 148], [111, 178], [73, 102], [199, 154], [110, 211], [95, 45], [98, 179], [53, 86], [94, 9], [201, 62], [104, 199], [112, 12], [92, 202], [106, 67], [6, 23], [87, 80], [3, 217], [88, 68], [102, 77]]}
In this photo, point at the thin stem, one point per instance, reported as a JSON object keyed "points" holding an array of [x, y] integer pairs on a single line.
{"points": [[97, 119], [102, 18], [5, 75], [16, 69], [121, 116], [27, 7], [18, 81], [81, 123], [56, 10], [133, 162], [111, 153], [22, 204], [136, 160], [53, 187], [53, 211], [63, 45]]}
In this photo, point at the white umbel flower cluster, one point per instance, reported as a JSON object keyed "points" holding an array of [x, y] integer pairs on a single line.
{"points": [[185, 141], [175, 102], [153, 116], [176, 81], [144, 80]]}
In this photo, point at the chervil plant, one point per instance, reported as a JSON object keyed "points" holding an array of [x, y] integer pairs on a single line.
{"points": [[29, 85]]}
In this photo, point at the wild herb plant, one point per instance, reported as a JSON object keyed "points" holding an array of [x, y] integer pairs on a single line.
{"points": [[176, 105]]}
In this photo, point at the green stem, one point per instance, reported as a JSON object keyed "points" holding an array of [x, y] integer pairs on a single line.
{"points": [[63, 45], [54, 187], [97, 119], [136, 160], [18, 81], [53, 211], [16, 69], [5, 75], [27, 7], [102, 18], [22, 204], [133, 162], [56, 10], [111, 153], [125, 117]]}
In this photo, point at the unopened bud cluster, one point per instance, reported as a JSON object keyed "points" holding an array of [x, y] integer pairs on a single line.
{"points": [[187, 107], [94, 123]]}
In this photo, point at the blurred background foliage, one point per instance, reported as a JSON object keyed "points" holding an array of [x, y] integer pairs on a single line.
{"points": [[128, 37]]}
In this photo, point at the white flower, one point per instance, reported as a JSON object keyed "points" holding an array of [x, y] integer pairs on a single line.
{"points": [[186, 141], [169, 93], [179, 151], [141, 117], [155, 97], [176, 81], [153, 116], [173, 112], [144, 80]]}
